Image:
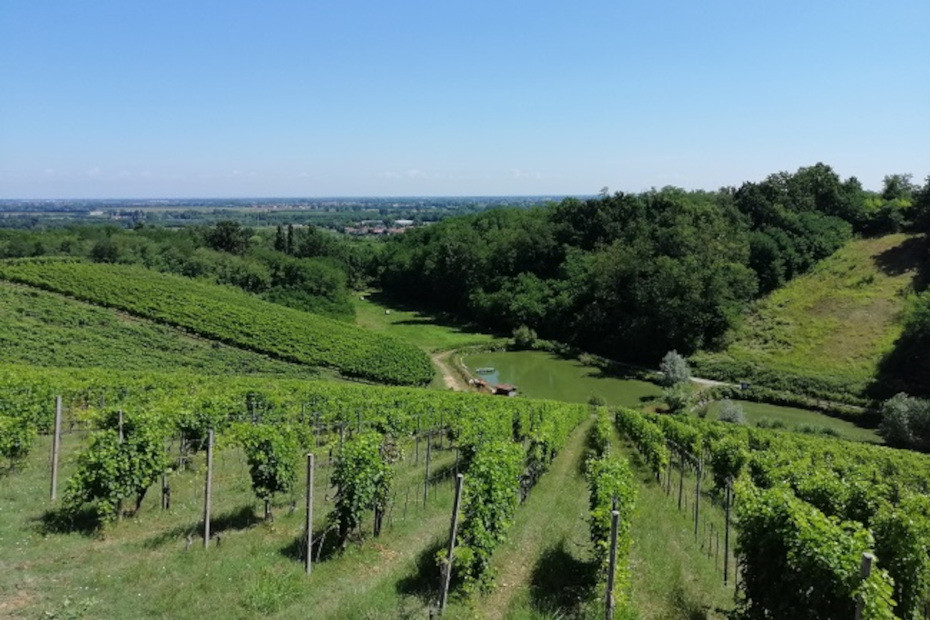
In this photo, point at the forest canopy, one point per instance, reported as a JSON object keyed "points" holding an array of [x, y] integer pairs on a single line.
{"points": [[635, 275]]}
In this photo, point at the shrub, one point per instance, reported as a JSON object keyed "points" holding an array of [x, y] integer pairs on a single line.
{"points": [[524, 338], [677, 397], [731, 412], [674, 369], [906, 422]]}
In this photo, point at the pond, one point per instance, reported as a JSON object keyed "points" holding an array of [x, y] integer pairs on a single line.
{"points": [[538, 374]]}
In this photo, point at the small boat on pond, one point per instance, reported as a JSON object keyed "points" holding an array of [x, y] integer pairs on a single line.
{"points": [[484, 371]]}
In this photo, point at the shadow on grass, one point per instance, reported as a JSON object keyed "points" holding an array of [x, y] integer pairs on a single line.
{"points": [[425, 582], [560, 583], [62, 521], [325, 546], [237, 519], [686, 608], [428, 315], [909, 256]]}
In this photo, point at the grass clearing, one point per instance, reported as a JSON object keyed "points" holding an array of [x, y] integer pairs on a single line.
{"points": [[376, 312], [793, 417]]}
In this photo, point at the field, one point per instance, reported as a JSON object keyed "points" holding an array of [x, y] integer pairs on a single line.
{"points": [[839, 320]]}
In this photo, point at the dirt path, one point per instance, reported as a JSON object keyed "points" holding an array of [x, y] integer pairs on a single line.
{"points": [[549, 529], [443, 361]]}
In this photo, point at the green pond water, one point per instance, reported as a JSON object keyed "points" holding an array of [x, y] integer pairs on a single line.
{"points": [[537, 374]]}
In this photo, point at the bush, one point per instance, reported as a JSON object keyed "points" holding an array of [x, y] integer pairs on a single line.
{"points": [[524, 338], [674, 369], [906, 422], [272, 453], [677, 397], [731, 412]]}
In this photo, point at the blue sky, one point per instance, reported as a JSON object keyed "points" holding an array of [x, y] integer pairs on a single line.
{"points": [[446, 97]]}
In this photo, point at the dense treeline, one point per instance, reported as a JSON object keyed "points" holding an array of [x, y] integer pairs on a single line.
{"points": [[635, 275], [907, 367], [301, 267]]}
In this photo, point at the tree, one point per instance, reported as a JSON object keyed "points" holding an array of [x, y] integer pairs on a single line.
{"points": [[674, 369], [280, 240], [922, 206], [895, 186], [228, 236]]}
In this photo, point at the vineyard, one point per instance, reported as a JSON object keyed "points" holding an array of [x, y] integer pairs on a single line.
{"points": [[41, 328], [802, 511], [229, 316], [822, 525]]}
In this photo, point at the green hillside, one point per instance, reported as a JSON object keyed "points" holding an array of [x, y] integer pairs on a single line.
{"points": [[45, 329], [834, 324], [230, 316]]}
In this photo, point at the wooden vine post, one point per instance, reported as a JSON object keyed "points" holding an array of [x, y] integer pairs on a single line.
{"points": [[612, 568], [56, 447], [726, 537], [165, 492], [697, 497], [426, 477], [681, 477], [308, 525], [208, 491], [453, 530], [865, 569]]}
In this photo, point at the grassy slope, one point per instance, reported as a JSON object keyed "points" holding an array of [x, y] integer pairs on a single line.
{"points": [[423, 330], [232, 316], [45, 329], [840, 319], [793, 417]]}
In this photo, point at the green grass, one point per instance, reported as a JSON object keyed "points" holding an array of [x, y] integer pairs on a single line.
{"points": [[45, 329], [793, 417], [377, 313], [840, 319]]}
